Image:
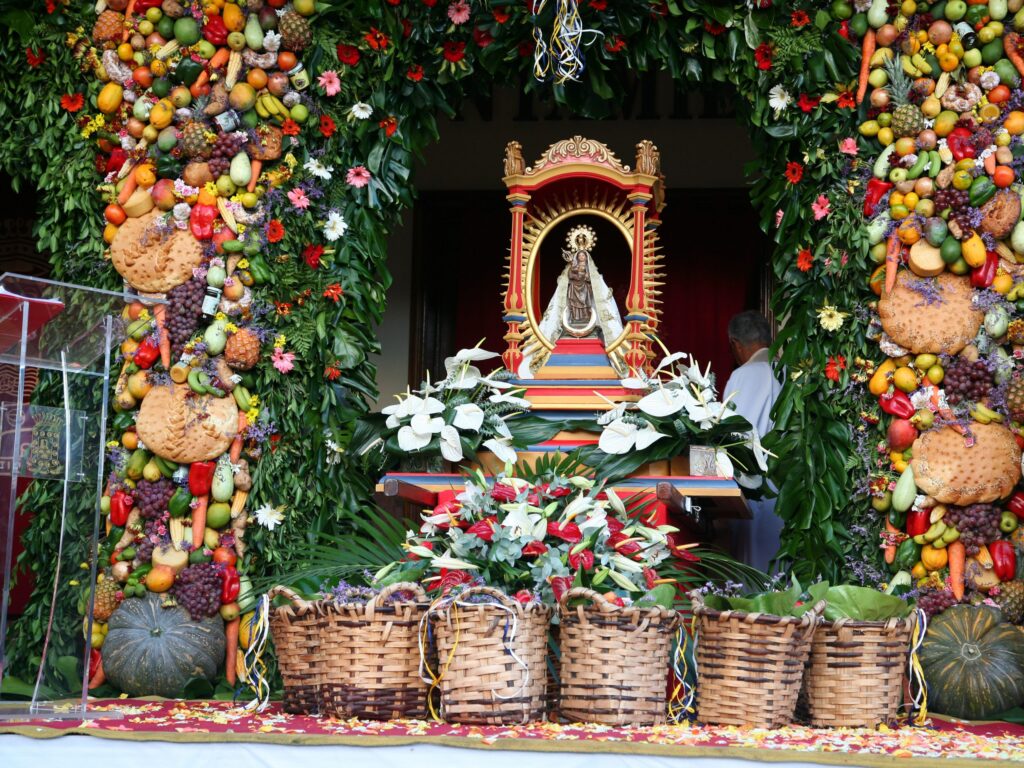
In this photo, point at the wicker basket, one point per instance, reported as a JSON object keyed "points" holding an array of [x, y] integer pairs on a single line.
{"points": [[614, 660], [855, 676], [370, 656], [491, 659], [296, 632], [750, 665]]}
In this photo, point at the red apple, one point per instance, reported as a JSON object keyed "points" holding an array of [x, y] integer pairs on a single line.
{"points": [[163, 194], [221, 236], [901, 435]]}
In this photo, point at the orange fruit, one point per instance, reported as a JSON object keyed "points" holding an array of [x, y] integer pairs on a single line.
{"points": [[908, 233], [125, 52], [257, 78], [948, 62], [206, 198], [115, 214], [1003, 176], [109, 232], [286, 60], [145, 175], [1014, 123], [160, 579]]}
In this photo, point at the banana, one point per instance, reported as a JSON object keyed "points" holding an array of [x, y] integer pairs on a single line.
{"points": [[194, 381], [919, 61], [935, 531], [267, 104], [908, 67], [242, 397], [879, 57], [979, 417], [167, 468], [261, 110], [988, 413], [281, 108]]}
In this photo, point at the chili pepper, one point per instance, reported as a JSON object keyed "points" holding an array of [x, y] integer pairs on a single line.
{"points": [[259, 269], [918, 522], [147, 353], [214, 30], [960, 144], [94, 663], [145, 5], [982, 277], [201, 219], [230, 584], [1016, 504], [876, 191], [200, 477], [120, 507], [896, 403], [1004, 559]]}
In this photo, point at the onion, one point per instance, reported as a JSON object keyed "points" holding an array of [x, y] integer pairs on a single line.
{"points": [[887, 34], [880, 98], [905, 186], [155, 39], [135, 127], [924, 187], [940, 32], [120, 571], [927, 139]]}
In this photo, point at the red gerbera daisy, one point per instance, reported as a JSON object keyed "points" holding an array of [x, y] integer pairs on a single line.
{"points": [[72, 102], [763, 56], [834, 366], [807, 103], [333, 292], [799, 19], [332, 372], [348, 54], [376, 39], [290, 128], [794, 172], [35, 58], [327, 126], [311, 255], [415, 73], [804, 259], [454, 50]]}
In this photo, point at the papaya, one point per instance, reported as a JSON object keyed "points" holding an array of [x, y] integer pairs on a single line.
{"points": [[879, 383], [109, 98], [974, 252], [233, 17], [162, 113]]}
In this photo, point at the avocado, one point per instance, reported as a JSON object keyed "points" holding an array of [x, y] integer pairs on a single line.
{"points": [[992, 52]]}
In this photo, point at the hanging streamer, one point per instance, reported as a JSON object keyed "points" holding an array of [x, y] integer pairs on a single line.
{"points": [[252, 668], [560, 56], [681, 702], [918, 688]]}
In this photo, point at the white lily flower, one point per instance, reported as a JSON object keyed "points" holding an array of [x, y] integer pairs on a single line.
{"points": [[519, 402], [622, 581], [521, 521], [502, 448], [584, 483], [421, 551], [625, 564], [451, 447], [595, 521], [621, 437], [724, 463], [653, 535], [577, 506], [446, 561], [666, 401], [468, 416], [615, 502]]}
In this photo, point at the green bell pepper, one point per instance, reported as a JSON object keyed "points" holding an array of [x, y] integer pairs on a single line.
{"points": [[981, 191], [187, 71], [907, 555], [180, 503]]}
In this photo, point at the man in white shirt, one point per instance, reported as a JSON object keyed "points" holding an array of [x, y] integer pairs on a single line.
{"points": [[754, 388]]}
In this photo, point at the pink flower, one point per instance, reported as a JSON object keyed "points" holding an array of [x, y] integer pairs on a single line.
{"points": [[298, 198], [358, 177], [282, 360], [821, 208], [458, 12], [330, 82], [848, 146], [778, 217]]}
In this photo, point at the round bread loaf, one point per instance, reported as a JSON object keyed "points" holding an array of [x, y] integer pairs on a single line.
{"points": [[930, 314], [177, 424], [153, 257], [951, 472], [1000, 214]]}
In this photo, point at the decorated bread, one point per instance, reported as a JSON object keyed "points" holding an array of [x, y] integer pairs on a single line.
{"points": [[951, 472], [177, 424], [930, 314], [152, 256]]}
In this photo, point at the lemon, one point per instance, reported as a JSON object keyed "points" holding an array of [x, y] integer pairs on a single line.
{"points": [[905, 379], [885, 136], [869, 128], [936, 374], [924, 361]]}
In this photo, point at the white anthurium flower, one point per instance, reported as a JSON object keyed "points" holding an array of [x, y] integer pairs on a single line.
{"points": [[502, 448], [633, 382], [701, 379], [615, 502], [502, 430], [724, 463], [421, 551], [419, 432], [496, 384], [468, 416], [595, 521], [706, 414], [519, 402], [577, 506], [621, 437], [669, 359], [451, 446], [613, 414], [759, 452], [414, 404], [666, 401], [474, 355], [625, 564], [750, 481], [462, 375]]}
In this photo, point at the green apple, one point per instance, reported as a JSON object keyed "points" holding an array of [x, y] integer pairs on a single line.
{"points": [[972, 58], [956, 10], [1008, 522]]}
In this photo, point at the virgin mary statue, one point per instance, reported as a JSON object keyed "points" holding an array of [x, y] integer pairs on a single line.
{"points": [[582, 306]]}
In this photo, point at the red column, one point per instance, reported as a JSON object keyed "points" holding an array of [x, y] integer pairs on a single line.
{"points": [[515, 302], [636, 300]]}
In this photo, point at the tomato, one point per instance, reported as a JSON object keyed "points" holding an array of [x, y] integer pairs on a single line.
{"points": [[115, 214], [225, 556], [1003, 176], [999, 94], [286, 60]]}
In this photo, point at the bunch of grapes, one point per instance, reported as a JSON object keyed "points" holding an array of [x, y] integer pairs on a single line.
{"points": [[184, 309], [197, 590], [144, 548], [967, 382], [954, 199], [935, 601], [227, 146], [978, 524], [152, 497]]}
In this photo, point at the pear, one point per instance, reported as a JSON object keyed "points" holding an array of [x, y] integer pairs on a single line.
{"points": [[254, 33]]}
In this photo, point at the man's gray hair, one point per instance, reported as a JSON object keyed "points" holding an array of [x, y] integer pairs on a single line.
{"points": [[750, 328]]}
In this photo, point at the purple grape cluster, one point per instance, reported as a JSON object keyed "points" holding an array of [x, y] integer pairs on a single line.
{"points": [[152, 497], [954, 199], [183, 312], [978, 524], [967, 382], [935, 601], [227, 146], [197, 590], [149, 541]]}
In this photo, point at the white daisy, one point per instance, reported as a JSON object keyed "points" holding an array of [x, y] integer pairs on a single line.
{"points": [[318, 169], [360, 111], [335, 227], [779, 99], [269, 517]]}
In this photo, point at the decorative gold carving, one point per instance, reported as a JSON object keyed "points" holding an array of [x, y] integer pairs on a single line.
{"points": [[577, 148], [514, 163], [648, 158]]}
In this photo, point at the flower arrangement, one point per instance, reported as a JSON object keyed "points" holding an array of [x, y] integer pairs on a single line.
{"points": [[539, 536]]}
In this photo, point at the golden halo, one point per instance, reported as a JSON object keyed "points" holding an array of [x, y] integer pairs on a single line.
{"points": [[581, 238]]}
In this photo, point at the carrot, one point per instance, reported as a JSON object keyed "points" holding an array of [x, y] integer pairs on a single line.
{"points": [[128, 11], [890, 550], [236, 444], [130, 184], [199, 88], [160, 315], [990, 164], [230, 651], [892, 262], [255, 166], [98, 676], [1011, 47], [957, 561], [219, 59], [868, 50], [199, 520]]}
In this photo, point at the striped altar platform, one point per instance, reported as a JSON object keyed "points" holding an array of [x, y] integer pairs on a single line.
{"points": [[578, 376]]}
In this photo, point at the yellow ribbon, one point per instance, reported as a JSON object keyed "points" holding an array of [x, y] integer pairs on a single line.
{"points": [[560, 55], [681, 702], [252, 669], [918, 698]]}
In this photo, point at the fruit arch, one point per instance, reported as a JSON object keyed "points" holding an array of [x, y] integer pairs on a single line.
{"points": [[374, 78]]}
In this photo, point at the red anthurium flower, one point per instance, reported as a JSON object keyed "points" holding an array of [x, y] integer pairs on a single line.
{"points": [[451, 579], [535, 548], [448, 507], [614, 524], [502, 492], [615, 44], [35, 58], [582, 560], [623, 544], [649, 576], [526, 48], [687, 556], [560, 585], [569, 532], [376, 39], [598, 5], [483, 529], [389, 124], [523, 597], [834, 366], [558, 493]]}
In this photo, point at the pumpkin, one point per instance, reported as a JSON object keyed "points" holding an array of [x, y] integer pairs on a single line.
{"points": [[973, 663], [155, 650]]}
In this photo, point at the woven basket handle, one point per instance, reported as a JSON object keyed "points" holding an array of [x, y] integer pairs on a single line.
{"points": [[401, 586], [596, 598], [291, 596], [497, 594]]}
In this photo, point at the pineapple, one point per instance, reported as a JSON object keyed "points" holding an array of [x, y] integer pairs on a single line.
{"points": [[242, 351], [295, 32], [1015, 397], [106, 599], [1015, 332], [1011, 601], [193, 140], [108, 27], [907, 118]]}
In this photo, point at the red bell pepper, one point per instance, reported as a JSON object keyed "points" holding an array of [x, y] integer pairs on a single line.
{"points": [[982, 277], [215, 31], [147, 353], [120, 507], [1016, 504], [118, 157], [918, 522], [896, 403], [876, 191], [201, 219], [230, 584], [200, 477], [142, 6], [960, 144], [1004, 559]]}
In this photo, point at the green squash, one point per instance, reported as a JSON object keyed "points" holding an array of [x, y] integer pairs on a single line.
{"points": [[973, 663], [152, 650]]}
